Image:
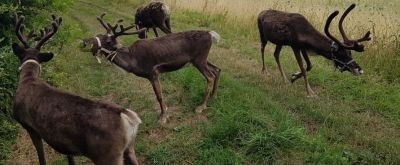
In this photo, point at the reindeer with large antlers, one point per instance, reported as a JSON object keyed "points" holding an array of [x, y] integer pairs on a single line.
{"points": [[72, 125], [294, 30], [151, 57]]}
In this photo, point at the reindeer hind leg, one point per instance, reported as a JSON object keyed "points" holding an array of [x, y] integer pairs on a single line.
{"points": [[130, 157], [164, 28], [155, 31], [216, 72], [277, 60], [207, 73], [168, 24]]}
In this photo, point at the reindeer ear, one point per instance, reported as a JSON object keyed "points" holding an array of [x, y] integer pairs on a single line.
{"points": [[18, 51], [45, 57]]}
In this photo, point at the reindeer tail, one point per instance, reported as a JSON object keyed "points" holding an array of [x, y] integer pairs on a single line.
{"points": [[215, 36]]}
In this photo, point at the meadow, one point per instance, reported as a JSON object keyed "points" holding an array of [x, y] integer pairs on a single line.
{"points": [[255, 119]]}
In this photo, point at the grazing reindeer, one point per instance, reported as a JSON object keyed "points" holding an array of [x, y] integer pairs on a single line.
{"points": [[70, 124], [294, 30], [155, 14], [149, 58]]}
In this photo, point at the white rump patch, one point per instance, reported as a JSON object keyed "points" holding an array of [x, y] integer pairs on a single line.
{"points": [[165, 8], [131, 121], [215, 36]]}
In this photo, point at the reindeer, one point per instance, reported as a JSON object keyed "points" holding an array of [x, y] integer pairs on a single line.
{"points": [[294, 30], [151, 57], [70, 124], [155, 14]]}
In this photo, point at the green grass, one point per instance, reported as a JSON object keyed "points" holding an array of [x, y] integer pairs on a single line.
{"points": [[254, 119]]}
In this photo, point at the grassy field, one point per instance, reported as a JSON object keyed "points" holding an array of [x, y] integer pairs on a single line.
{"points": [[255, 119]]}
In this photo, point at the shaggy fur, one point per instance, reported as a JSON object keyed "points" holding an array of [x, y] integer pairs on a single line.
{"points": [[153, 15]]}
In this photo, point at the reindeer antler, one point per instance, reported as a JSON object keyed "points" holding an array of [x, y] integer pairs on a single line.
{"points": [[365, 38], [114, 28], [19, 29], [46, 34], [345, 38], [326, 29], [101, 20], [348, 10]]}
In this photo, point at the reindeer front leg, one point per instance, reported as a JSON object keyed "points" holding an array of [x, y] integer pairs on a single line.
{"points": [[37, 142], [71, 160], [155, 82], [297, 75], [310, 92]]}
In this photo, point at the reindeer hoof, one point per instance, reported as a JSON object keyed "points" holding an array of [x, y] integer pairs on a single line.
{"points": [[265, 72], [311, 95], [200, 108], [163, 120]]}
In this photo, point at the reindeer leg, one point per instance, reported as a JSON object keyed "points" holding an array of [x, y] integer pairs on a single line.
{"points": [[130, 157], [216, 71], [71, 160], [278, 49], [164, 28], [168, 24], [210, 82], [37, 142], [110, 159], [264, 70], [155, 82], [310, 92], [155, 31], [297, 75]]}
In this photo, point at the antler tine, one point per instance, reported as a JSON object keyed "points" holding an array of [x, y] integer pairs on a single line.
{"points": [[47, 34], [326, 29], [123, 30], [113, 28], [101, 20], [136, 32], [365, 38], [31, 34], [348, 10], [19, 28], [41, 35]]}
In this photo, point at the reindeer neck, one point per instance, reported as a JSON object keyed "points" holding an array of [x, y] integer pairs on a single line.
{"points": [[321, 45], [29, 71], [122, 59]]}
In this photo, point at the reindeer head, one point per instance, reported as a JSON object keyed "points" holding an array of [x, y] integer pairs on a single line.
{"points": [[341, 51], [33, 53], [107, 43]]}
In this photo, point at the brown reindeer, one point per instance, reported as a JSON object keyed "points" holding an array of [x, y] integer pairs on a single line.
{"points": [[72, 125], [150, 57], [153, 15], [294, 30]]}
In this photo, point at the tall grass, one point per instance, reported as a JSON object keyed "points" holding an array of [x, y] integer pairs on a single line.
{"points": [[381, 18]]}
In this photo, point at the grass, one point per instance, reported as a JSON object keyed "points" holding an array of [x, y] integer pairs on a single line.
{"points": [[255, 119]]}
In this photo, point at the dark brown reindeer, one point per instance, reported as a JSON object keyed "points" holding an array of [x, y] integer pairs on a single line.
{"points": [[294, 30], [153, 15], [72, 125], [151, 57]]}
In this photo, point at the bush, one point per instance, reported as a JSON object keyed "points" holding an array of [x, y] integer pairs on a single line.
{"points": [[28, 8], [34, 10]]}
